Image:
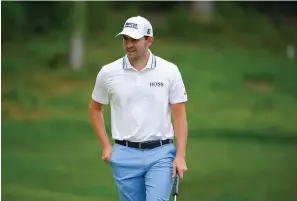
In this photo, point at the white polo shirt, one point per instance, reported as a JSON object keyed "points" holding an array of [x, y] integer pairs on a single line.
{"points": [[140, 100]]}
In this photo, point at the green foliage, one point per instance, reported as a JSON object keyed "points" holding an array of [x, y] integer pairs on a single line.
{"points": [[96, 11], [13, 18], [231, 21], [248, 24], [11, 65], [231, 25], [23, 20]]}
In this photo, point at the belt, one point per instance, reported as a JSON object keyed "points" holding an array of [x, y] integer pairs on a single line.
{"points": [[144, 145]]}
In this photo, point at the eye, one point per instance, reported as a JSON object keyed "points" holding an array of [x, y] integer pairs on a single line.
{"points": [[130, 39]]}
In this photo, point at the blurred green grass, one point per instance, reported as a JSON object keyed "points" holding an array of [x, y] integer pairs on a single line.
{"points": [[242, 113], [59, 159]]}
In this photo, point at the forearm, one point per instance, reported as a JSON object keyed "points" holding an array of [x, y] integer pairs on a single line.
{"points": [[99, 126], [181, 134]]}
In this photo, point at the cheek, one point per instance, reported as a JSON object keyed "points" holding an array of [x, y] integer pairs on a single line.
{"points": [[140, 46]]}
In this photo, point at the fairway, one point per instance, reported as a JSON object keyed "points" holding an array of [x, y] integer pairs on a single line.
{"points": [[242, 134], [60, 160]]}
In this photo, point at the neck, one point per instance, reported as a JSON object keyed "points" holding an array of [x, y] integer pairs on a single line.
{"points": [[140, 62]]}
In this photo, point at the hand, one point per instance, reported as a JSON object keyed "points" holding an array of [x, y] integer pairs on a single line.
{"points": [[179, 166], [107, 151]]}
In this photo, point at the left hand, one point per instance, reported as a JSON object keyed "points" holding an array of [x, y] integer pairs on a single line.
{"points": [[179, 166]]}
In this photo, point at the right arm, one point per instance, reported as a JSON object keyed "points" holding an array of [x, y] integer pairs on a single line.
{"points": [[97, 120], [100, 97]]}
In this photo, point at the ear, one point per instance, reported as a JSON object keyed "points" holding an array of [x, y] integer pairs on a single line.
{"points": [[150, 40]]}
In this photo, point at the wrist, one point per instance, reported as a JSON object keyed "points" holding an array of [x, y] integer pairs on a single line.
{"points": [[106, 145], [180, 155]]}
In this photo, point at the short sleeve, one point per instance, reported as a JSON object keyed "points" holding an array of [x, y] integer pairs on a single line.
{"points": [[177, 91], [100, 92]]}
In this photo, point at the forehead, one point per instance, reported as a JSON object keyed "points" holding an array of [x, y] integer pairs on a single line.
{"points": [[130, 38], [127, 37]]}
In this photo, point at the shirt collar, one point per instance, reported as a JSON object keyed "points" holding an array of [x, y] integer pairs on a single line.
{"points": [[151, 63]]}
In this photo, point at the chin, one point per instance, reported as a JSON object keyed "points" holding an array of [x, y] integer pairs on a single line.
{"points": [[129, 55]]}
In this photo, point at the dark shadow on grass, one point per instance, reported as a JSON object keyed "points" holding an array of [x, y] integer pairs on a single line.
{"points": [[261, 136]]}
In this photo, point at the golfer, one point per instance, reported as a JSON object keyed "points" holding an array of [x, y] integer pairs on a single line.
{"points": [[143, 91]]}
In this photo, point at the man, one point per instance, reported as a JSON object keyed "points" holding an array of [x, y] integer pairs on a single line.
{"points": [[143, 91]]}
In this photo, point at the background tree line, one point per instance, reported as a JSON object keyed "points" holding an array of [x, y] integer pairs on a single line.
{"points": [[21, 19]]}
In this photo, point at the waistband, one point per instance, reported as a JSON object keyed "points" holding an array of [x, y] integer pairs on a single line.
{"points": [[144, 145]]}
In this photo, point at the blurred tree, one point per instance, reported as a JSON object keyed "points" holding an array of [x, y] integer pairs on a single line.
{"points": [[13, 21], [77, 37], [203, 10]]}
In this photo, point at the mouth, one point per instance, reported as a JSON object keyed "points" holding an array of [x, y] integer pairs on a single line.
{"points": [[131, 50]]}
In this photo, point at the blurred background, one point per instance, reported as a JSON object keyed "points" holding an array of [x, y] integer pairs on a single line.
{"points": [[239, 66]]}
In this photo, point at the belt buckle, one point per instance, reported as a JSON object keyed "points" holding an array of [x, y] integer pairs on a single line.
{"points": [[139, 145]]}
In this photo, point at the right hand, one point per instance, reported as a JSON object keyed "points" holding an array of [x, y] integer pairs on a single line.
{"points": [[107, 151]]}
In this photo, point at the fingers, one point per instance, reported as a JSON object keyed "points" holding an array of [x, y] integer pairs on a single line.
{"points": [[106, 158], [174, 170], [181, 172], [106, 154]]}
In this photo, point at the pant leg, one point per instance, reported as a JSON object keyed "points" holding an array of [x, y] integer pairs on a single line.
{"points": [[128, 171], [158, 178]]}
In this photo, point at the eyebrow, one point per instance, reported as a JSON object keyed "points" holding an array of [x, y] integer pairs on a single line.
{"points": [[129, 38]]}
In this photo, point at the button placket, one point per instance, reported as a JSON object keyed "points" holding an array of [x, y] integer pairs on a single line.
{"points": [[138, 80]]}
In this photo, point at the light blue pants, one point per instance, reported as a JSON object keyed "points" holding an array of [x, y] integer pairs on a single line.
{"points": [[143, 175]]}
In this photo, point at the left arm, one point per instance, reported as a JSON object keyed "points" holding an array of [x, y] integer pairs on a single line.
{"points": [[180, 128], [181, 134], [177, 99]]}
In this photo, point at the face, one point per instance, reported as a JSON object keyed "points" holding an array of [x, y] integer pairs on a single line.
{"points": [[136, 48]]}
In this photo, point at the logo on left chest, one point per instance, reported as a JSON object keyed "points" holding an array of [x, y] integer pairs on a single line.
{"points": [[156, 84]]}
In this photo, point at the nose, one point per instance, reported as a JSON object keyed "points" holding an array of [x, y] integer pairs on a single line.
{"points": [[129, 44]]}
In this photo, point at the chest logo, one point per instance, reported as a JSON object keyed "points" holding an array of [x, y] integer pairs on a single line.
{"points": [[156, 84]]}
